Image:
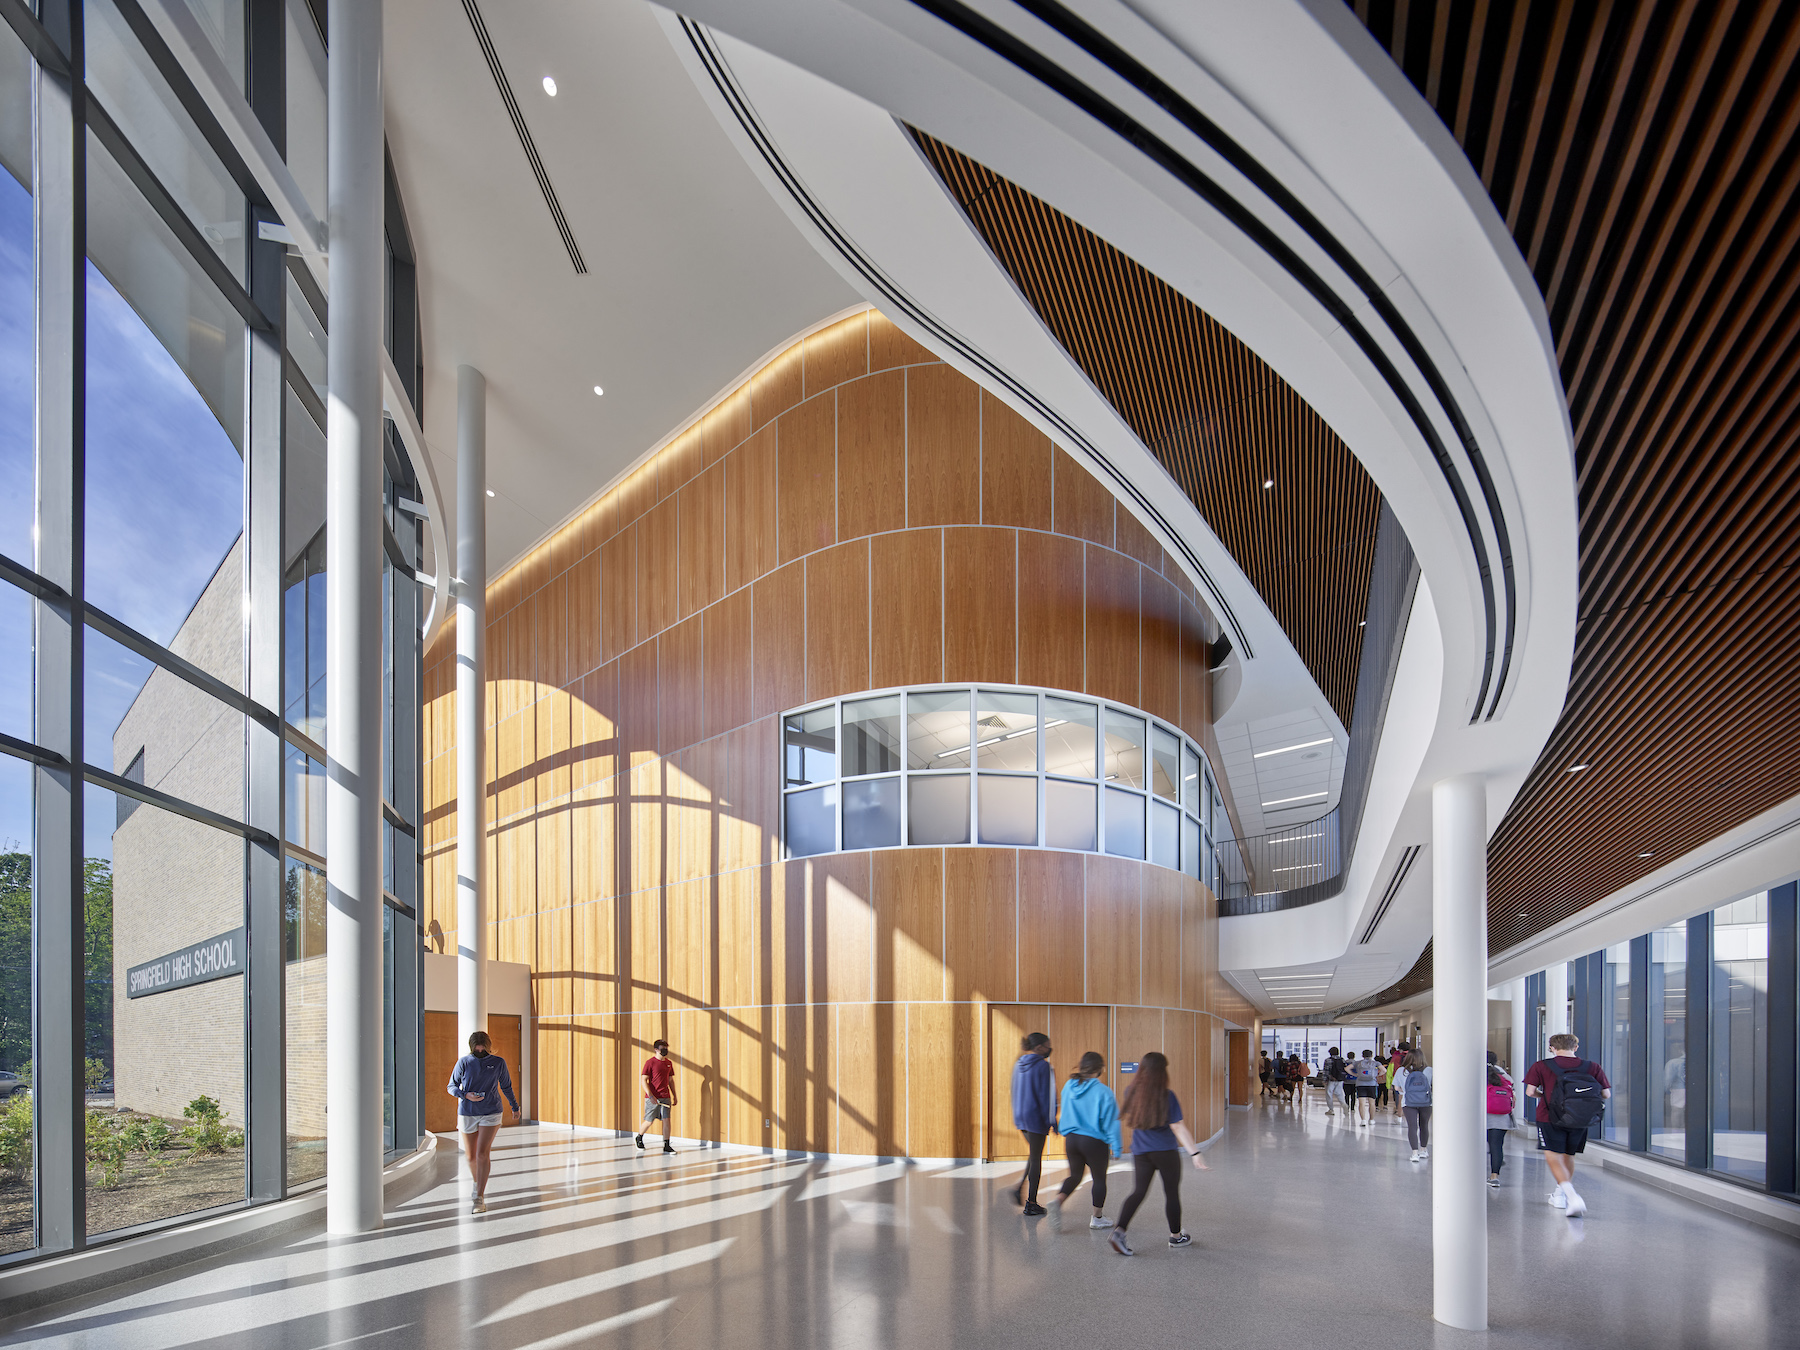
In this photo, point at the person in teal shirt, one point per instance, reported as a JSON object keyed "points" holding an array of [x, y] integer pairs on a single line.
{"points": [[1090, 1130]]}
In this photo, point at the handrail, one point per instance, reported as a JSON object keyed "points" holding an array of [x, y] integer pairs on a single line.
{"points": [[1271, 871]]}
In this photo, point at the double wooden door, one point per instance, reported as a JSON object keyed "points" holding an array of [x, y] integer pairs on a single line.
{"points": [[442, 1050], [1072, 1028]]}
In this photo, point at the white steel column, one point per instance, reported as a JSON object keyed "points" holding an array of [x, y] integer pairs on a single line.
{"points": [[1516, 991], [471, 681], [1556, 999], [353, 554], [1459, 1063]]}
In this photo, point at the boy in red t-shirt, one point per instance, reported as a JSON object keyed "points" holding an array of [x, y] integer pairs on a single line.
{"points": [[1558, 1144], [659, 1092]]}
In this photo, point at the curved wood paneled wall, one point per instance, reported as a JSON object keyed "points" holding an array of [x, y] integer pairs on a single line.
{"points": [[856, 515]]}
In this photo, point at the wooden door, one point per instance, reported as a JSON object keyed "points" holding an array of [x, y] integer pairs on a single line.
{"points": [[1072, 1028], [1237, 1053], [443, 1049]]}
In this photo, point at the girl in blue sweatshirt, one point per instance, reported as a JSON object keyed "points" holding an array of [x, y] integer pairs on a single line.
{"points": [[477, 1082], [1034, 1112], [1090, 1131]]}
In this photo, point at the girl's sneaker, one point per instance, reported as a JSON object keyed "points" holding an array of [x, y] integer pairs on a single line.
{"points": [[1119, 1244], [1100, 1221], [1179, 1239], [1494, 1180], [478, 1205], [1558, 1200]]}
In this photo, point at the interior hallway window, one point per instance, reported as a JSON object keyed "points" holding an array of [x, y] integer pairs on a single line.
{"points": [[1739, 1027], [1615, 1050], [1667, 1086]]}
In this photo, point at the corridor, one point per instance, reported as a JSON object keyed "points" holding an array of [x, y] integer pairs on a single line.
{"points": [[1307, 1229]]}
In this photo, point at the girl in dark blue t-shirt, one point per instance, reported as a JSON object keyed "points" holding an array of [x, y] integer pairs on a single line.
{"points": [[1154, 1115]]}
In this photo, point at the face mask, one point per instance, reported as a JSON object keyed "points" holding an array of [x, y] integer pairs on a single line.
{"points": [[482, 1054]]}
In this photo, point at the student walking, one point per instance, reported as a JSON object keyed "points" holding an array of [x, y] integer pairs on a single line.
{"points": [[1089, 1122], [1296, 1079], [1499, 1116], [1335, 1072], [1153, 1112], [1367, 1073], [1571, 1093], [1412, 1090], [477, 1082], [658, 1075], [1034, 1113], [1266, 1073]]}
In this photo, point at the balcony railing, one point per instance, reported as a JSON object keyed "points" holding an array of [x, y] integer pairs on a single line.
{"points": [[1293, 866]]}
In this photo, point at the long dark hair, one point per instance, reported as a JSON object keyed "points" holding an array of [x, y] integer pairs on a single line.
{"points": [[1496, 1077], [1147, 1101], [1035, 1041], [1092, 1065]]}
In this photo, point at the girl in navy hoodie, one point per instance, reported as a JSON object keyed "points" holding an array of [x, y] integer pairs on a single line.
{"points": [[1090, 1129], [477, 1082], [1034, 1112]]}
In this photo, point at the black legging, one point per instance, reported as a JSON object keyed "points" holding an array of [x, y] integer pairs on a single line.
{"points": [[1035, 1167], [1496, 1150], [1146, 1165], [1086, 1153]]}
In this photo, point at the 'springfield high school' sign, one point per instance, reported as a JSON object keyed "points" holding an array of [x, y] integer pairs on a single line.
{"points": [[212, 959]]}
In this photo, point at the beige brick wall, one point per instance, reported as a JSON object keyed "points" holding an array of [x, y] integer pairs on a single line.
{"points": [[176, 881]]}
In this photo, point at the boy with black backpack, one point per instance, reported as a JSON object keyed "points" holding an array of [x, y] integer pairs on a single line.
{"points": [[1571, 1094]]}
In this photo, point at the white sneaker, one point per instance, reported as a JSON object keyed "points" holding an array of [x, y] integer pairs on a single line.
{"points": [[1056, 1204], [1424, 1153], [1558, 1200], [1575, 1205], [1100, 1221], [1416, 1155]]}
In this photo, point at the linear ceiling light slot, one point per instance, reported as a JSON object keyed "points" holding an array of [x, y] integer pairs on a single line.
{"points": [[518, 120], [1393, 889]]}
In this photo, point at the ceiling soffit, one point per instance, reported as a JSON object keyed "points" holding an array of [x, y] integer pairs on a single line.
{"points": [[1644, 157], [1216, 417]]}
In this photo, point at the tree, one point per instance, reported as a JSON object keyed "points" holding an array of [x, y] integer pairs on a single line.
{"points": [[98, 963], [15, 961]]}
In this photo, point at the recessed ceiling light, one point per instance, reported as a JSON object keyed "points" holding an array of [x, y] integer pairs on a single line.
{"points": [[1303, 745], [1268, 483], [1303, 797], [1524, 915], [598, 391], [550, 86], [1576, 768], [1646, 855], [490, 492]]}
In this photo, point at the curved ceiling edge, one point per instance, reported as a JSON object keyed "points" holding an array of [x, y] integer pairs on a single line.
{"points": [[897, 299], [1499, 601]]}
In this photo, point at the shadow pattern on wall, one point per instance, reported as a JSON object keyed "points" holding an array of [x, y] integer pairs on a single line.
{"points": [[857, 515]]}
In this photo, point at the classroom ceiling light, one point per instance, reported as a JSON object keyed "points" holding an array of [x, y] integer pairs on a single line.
{"points": [[1303, 745], [1303, 797]]}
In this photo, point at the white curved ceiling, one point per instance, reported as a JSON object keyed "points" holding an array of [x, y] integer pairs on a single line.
{"points": [[693, 273]]}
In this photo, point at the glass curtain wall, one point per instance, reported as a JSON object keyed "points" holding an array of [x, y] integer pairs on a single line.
{"points": [[1721, 1098], [165, 849], [1739, 1028]]}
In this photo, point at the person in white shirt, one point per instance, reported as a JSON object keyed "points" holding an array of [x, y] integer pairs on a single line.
{"points": [[1412, 1090]]}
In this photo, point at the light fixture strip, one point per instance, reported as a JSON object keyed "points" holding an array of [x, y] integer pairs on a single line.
{"points": [[1304, 745]]}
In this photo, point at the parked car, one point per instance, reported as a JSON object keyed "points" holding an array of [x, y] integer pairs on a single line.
{"points": [[10, 1083]]}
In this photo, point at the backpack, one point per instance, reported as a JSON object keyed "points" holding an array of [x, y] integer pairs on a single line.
{"points": [[1334, 1069], [1499, 1095], [1418, 1089], [1574, 1097]]}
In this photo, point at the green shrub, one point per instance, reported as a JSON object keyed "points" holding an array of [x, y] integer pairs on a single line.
{"points": [[107, 1147], [208, 1133], [95, 1073], [15, 1134]]}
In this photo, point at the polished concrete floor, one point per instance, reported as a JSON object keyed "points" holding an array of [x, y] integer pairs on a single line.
{"points": [[1307, 1232]]}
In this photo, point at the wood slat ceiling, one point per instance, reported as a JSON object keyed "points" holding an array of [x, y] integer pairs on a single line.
{"points": [[1644, 156], [1214, 415]]}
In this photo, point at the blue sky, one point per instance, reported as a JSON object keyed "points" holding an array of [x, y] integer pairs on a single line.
{"points": [[165, 504]]}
